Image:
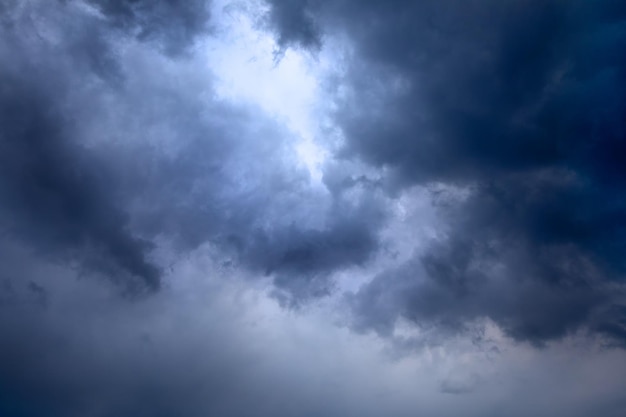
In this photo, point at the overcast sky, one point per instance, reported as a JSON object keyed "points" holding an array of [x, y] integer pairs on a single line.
{"points": [[305, 208]]}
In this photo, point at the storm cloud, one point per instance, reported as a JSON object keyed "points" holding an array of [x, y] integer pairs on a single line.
{"points": [[522, 105], [312, 207]]}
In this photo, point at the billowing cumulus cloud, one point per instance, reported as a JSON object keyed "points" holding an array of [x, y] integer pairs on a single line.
{"points": [[312, 207], [108, 159], [519, 103]]}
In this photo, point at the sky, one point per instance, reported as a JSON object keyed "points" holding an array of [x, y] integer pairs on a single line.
{"points": [[251, 208]]}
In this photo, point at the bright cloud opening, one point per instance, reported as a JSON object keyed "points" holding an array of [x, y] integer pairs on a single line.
{"points": [[249, 68]]}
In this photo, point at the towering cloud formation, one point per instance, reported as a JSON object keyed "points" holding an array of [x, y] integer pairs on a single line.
{"points": [[522, 104]]}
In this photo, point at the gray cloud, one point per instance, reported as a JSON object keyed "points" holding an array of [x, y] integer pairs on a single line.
{"points": [[119, 164], [295, 23], [221, 183], [54, 191], [520, 102], [175, 24], [108, 148]]}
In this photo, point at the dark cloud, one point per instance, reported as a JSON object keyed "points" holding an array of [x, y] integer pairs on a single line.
{"points": [[455, 285], [175, 24], [295, 24], [118, 161], [54, 192], [521, 102]]}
